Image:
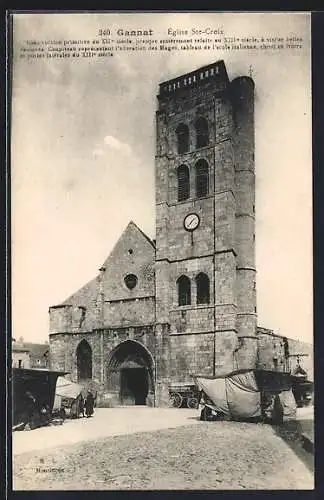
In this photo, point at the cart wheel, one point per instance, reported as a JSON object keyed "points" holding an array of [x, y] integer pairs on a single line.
{"points": [[192, 403], [175, 400], [203, 414]]}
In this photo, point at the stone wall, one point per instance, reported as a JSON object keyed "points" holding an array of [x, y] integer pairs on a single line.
{"points": [[63, 352], [242, 98], [106, 300], [191, 355], [272, 354], [20, 359]]}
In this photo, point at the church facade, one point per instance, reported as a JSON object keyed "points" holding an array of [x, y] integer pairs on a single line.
{"points": [[160, 312]]}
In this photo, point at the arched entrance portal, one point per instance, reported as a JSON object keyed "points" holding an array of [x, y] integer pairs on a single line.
{"points": [[130, 374]]}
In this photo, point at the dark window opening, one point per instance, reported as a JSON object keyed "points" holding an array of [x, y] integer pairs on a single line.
{"points": [[184, 291], [286, 347], [130, 251], [202, 133], [182, 132], [19, 363], [202, 178], [183, 183], [130, 281], [84, 361], [202, 284]]}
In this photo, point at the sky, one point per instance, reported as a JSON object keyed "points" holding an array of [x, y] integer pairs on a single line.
{"points": [[83, 145]]}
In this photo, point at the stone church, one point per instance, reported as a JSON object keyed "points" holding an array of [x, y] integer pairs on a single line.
{"points": [[161, 311]]}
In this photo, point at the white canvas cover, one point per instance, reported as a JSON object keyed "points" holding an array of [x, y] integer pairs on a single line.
{"points": [[66, 389], [288, 404], [216, 391], [236, 395], [243, 395]]}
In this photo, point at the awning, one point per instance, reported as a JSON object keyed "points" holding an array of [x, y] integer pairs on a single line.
{"points": [[67, 389]]}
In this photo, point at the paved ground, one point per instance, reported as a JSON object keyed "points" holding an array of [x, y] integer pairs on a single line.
{"points": [[306, 422], [106, 422], [150, 448]]}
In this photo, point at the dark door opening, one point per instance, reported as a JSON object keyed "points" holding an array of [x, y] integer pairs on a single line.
{"points": [[133, 386]]}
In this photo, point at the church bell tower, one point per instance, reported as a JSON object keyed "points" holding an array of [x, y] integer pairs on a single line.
{"points": [[205, 227]]}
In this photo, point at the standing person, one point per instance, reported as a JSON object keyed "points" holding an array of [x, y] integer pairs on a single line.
{"points": [[81, 407], [89, 404], [278, 411], [74, 409]]}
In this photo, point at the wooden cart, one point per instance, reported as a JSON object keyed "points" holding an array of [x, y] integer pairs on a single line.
{"points": [[183, 395]]}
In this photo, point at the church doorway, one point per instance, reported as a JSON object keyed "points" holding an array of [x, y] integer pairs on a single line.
{"points": [[130, 374], [133, 386]]}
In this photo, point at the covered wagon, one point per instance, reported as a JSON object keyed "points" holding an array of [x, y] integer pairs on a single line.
{"points": [[250, 395], [68, 400]]}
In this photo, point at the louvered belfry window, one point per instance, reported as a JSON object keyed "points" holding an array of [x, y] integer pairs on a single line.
{"points": [[202, 178], [183, 183]]}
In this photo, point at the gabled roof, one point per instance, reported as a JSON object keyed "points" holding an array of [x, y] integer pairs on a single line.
{"points": [[130, 226], [37, 351], [85, 295], [142, 232], [82, 294], [18, 347]]}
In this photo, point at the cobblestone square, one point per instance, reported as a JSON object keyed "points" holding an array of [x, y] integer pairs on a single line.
{"points": [[155, 449]]}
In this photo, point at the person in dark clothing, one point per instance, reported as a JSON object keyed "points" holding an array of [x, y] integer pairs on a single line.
{"points": [[74, 413], [31, 416], [45, 415], [30, 403], [89, 404], [81, 406], [278, 411]]}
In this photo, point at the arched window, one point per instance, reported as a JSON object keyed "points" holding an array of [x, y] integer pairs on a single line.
{"points": [[84, 360], [202, 284], [184, 291], [183, 183], [202, 135], [202, 178], [182, 132]]}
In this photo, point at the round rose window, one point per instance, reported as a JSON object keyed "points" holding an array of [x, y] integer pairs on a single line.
{"points": [[130, 281]]}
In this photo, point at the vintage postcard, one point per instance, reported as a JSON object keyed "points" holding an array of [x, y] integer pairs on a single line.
{"points": [[161, 190]]}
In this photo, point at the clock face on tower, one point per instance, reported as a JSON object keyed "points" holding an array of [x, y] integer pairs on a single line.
{"points": [[191, 222]]}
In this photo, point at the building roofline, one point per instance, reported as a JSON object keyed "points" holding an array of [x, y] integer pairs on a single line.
{"points": [[268, 331], [142, 232], [219, 62]]}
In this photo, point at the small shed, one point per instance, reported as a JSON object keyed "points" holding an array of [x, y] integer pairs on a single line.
{"points": [[40, 383]]}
